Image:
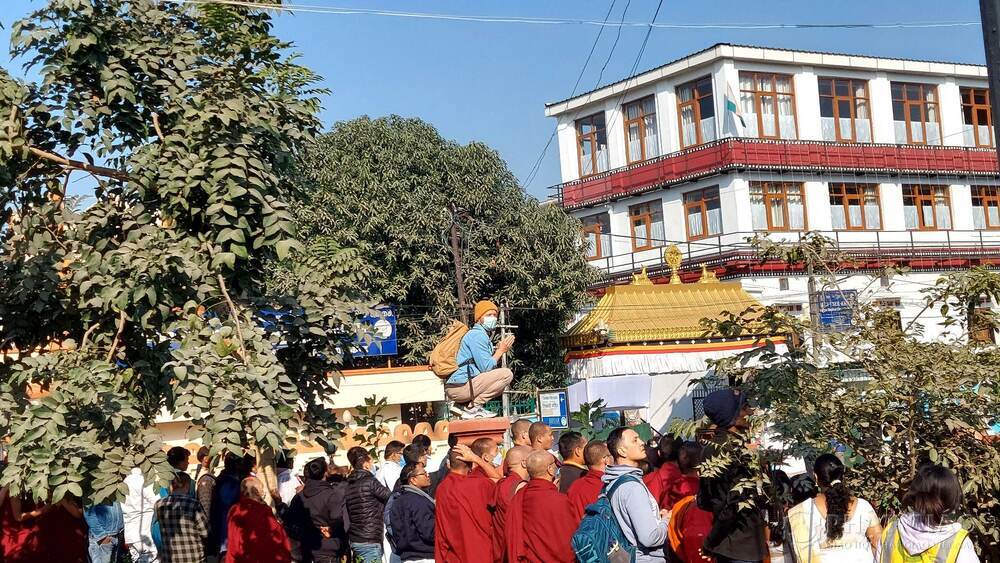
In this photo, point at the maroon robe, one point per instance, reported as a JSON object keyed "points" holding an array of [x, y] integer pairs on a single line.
{"points": [[584, 492], [462, 523], [501, 500], [661, 481], [540, 525]]}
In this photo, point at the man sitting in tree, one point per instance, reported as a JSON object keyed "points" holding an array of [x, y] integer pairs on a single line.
{"points": [[478, 377]]}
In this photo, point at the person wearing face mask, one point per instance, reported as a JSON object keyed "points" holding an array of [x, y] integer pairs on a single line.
{"points": [[479, 377], [489, 450], [365, 499], [540, 520], [388, 474]]}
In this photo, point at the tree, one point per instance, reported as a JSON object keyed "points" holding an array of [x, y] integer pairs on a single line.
{"points": [[152, 297], [385, 186], [887, 398]]}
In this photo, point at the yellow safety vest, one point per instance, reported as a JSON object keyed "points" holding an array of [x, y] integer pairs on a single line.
{"points": [[944, 552]]}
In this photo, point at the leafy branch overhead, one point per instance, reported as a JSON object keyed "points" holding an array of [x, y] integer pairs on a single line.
{"points": [[155, 296]]}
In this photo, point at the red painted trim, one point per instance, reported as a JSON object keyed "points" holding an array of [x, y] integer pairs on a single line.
{"points": [[754, 154]]}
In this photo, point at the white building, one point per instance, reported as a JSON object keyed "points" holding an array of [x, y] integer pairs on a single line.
{"points": [[891, 158]]}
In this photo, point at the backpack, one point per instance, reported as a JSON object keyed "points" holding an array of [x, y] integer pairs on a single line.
{"points": [[443, 356], [600, 538]]}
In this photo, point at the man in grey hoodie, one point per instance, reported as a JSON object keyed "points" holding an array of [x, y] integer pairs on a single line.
{"points": [[641, 520]]}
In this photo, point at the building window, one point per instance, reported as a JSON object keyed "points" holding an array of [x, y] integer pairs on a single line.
{"points": [[986, 207], [790, 309], [926, 208], [778, 206], [843, 108], [855, 207], [978, 118], [640, 130], [592, 144], [597, 235], [768, 102], [696, 108], [704, 213], [646, 221], [915, 114]]}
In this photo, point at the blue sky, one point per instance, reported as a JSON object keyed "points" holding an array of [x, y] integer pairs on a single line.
{"points": [[489, 81]]}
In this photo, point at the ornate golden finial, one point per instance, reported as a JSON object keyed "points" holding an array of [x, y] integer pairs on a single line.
{"points": [[641, 278], [673, 257], [706, 276]]}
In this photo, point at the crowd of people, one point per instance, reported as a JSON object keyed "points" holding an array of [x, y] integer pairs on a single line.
{"points": [[472, 504]]}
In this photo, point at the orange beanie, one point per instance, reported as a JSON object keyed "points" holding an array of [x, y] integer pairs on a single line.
{"points": [[484, 307]]}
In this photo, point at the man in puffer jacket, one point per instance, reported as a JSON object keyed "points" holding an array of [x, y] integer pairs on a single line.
{"points": [[366, 499], [411, 516], [316, 519]]}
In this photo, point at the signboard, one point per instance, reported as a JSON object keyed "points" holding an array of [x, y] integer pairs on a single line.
{"points": [[380, 323], [553, 408], [836, 309]]}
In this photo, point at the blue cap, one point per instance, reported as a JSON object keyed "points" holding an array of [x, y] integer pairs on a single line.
{"points": [[723, 406]]}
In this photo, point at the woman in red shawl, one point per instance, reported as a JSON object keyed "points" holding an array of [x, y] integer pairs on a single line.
{"points": [[46, 532], [254, 533]]}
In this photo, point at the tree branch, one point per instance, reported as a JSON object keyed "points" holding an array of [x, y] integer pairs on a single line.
{"points": [[235, 315], [156, 126], [118, 335], [86, 335], [79, 165]]}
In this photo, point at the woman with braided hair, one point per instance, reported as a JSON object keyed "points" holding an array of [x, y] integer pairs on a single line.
{"points": [[836, 526]]}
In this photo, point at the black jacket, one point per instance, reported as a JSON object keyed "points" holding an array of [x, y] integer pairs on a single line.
{"points": [[411, 517], [736, 533], [318, 505], [366, 500]]}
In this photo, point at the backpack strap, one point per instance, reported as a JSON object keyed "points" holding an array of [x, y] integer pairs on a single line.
{"points": [[613, 486]]}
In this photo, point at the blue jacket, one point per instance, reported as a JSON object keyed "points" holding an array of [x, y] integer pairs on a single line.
{"points": [[477, 347], [104, 520], [411, 517]]}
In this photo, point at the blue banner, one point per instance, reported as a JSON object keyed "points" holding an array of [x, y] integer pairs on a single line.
{"points": [[836, 309], [380, 323]]}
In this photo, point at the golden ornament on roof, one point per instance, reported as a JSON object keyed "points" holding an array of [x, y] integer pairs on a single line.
{"points": [[641, 278], [673, 257], [707, 276]]}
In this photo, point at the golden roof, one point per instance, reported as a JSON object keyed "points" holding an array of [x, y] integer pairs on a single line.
{"points": [[645, 312]]}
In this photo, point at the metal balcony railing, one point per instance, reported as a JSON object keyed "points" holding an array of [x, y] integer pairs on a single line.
{"points": [[875, 245]]}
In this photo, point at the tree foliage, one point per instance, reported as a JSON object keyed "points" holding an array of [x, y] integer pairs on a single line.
{"points": [[385, 185], [887, 397], [152, 297]]}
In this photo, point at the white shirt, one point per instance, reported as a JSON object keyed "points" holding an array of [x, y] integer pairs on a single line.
{"points": [[288, 485], [137, 511], [388, 474], [852, 547]]}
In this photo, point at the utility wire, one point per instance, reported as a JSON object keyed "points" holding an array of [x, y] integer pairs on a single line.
{"points": [[541, 157], [337, 10]]}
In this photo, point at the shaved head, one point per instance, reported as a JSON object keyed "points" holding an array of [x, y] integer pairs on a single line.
{"points": [[484, 446], [516, 458], [540, 435], [519, 432], [456, 464], [595, 453], [539, 463]]}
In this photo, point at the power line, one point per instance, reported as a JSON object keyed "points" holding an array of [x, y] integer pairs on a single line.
{"points": [[545, 149], [337, 10]]}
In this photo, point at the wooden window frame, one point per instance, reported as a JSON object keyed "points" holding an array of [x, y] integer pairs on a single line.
{"points": [[647, 220], [968, 94], [923, 104], [993, 196], [920, 197], [695, 102], [702, 205], [592, 137], [596, 229], [835, 99], [842, 188], [758, 95], [641, 120], [767, 197]]}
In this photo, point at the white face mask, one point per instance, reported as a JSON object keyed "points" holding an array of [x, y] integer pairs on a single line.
{"points": [[489, 322], [497, 460]]}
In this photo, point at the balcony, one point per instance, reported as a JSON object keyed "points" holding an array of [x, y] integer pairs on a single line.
{"points": [[731, 255], [780, 156]]}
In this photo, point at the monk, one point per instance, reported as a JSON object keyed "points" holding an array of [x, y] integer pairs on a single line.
{"points": [[519, 432], [462, 523], [489, 451], [540, 521], [585, 490], [517, 477], [540, 435]]}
